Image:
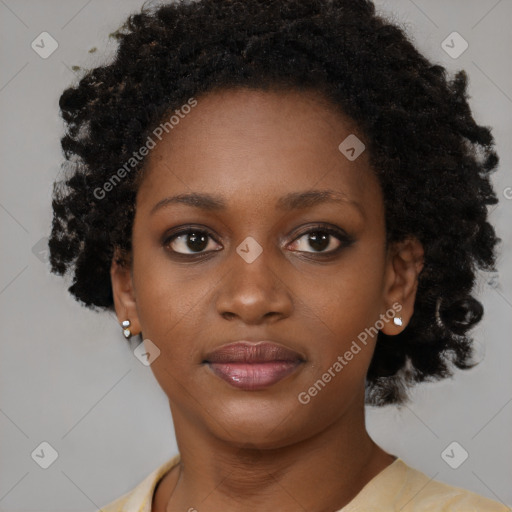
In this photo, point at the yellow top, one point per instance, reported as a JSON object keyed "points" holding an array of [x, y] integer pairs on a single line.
{"points": [[397, 488]]}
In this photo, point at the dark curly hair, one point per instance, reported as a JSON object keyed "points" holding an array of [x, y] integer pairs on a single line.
{"points": [[432, 160]]}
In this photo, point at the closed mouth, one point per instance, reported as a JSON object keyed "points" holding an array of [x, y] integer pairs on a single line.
{"points": [[251, 366]]}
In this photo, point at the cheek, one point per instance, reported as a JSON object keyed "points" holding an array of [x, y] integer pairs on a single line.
{"points": [[342, 345], [348, 298], [169, 311], [339, 315], [168, 303]]}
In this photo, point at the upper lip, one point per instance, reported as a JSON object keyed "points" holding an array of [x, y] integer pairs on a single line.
{"points": [[252, 352]]}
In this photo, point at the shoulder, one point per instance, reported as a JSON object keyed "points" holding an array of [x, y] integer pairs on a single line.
{"points": [[401, 488], [141, 496], [116, 505], [418, 492]]}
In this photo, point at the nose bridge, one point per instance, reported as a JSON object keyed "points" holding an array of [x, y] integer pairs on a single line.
{"points": [[253, 288]]}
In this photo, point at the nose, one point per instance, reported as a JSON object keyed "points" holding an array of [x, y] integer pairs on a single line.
{"points": [[254, 292]]}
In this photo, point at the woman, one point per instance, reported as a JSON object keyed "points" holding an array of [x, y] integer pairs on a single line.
{"points": [[263, 191]]}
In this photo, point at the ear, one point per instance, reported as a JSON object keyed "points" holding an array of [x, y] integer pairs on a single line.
{"points": [[403, 266], [123, 291]]}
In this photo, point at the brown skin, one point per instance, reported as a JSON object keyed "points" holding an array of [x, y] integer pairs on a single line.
{"points": [[263, 450]]}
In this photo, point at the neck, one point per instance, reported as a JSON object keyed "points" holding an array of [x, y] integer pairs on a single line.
{"points": [[323, 472]]}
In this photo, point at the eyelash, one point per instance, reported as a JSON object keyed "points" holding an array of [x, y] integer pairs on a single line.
{"points": [[344, 239]]}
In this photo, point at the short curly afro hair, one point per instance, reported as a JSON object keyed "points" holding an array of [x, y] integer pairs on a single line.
{"points": [[432, 160]]}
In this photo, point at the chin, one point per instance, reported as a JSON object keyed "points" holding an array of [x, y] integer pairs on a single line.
{"points": [[265, 425]]}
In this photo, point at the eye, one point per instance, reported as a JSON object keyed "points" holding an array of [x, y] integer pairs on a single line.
{"points": [[322, 238], [193, 240]]}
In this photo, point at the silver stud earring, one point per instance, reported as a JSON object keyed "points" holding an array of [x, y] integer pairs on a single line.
{"points": [[126, 328], [397, 320]]}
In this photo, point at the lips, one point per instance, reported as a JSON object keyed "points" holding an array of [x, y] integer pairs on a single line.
{"points": [[252, 366]]}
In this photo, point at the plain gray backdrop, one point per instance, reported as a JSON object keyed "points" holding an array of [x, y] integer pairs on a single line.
{"points": [[68, 377]]}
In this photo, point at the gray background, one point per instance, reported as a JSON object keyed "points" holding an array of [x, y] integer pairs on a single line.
{"points": [[68, 377]]}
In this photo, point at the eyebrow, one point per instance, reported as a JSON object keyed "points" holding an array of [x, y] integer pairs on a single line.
{"points": [[289, 202]]}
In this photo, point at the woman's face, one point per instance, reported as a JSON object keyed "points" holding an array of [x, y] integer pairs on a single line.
{"points": [[255, 269]]}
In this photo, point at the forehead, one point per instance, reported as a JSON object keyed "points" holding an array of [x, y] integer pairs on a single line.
{"points": [[256, 146]]}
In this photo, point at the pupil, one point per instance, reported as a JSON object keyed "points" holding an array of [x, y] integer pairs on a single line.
{"points": [[319, 242], [200, 241]]}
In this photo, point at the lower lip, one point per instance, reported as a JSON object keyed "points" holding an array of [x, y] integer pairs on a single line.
{"points": [[253, 376]]}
